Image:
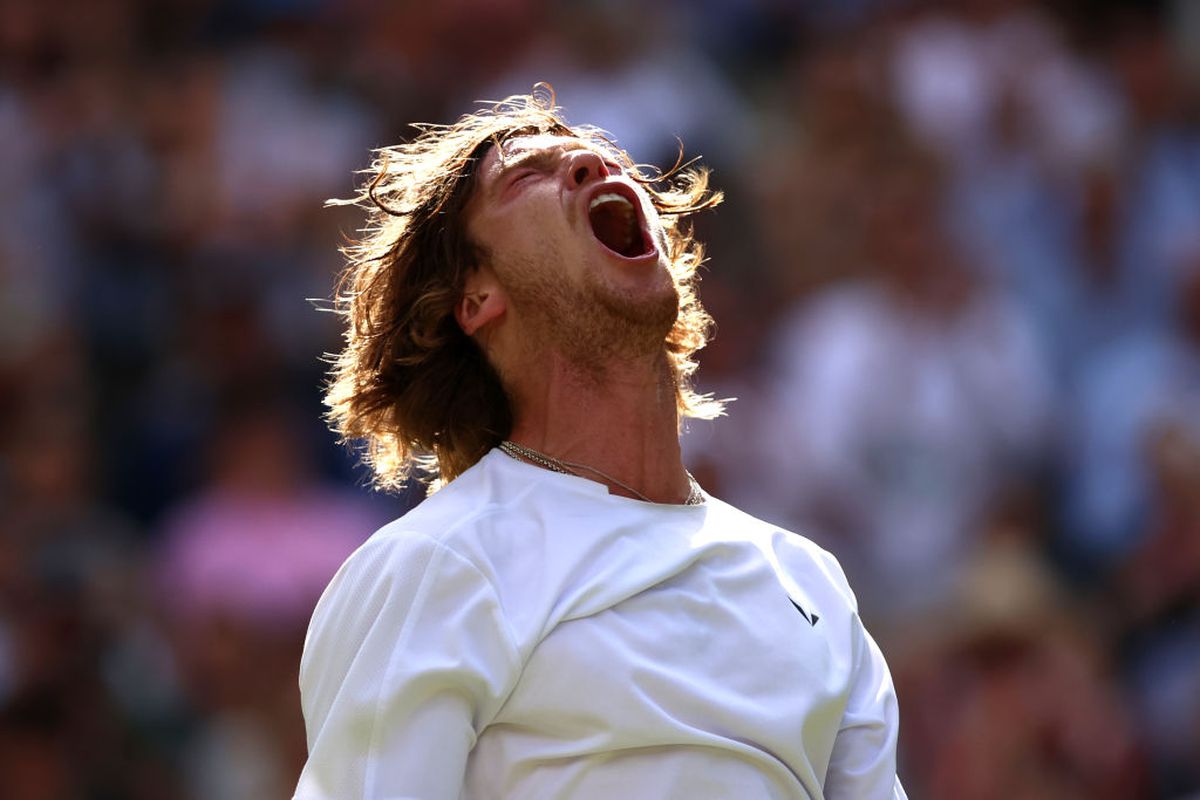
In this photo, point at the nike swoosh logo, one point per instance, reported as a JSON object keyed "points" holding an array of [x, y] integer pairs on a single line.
{"points": [[812, 619]]}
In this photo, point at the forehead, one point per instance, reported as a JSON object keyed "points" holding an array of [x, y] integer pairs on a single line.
{"points": [[516, 145]]}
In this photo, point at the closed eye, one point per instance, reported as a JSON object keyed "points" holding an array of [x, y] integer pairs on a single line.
{"points": [[520, 176]]}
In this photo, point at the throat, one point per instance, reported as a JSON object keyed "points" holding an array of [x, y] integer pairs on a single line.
{"points": [[627, 425]]}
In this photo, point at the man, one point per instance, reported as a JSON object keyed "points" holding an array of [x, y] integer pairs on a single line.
{"points": [[569, 615]]}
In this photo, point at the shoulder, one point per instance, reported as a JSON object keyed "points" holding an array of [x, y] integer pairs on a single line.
{"points": [[404, 604], [796, 558], [384, 582], [411, 576], [445, 544], [441, 521]]}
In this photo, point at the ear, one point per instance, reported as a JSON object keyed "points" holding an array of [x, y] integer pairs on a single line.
{"points": [[483, 300]]}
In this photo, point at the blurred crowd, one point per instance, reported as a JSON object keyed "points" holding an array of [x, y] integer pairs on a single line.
{"points": [[957, 286]]}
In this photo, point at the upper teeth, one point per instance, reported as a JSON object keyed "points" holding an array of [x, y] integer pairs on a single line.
{"points": [[608, 197]]}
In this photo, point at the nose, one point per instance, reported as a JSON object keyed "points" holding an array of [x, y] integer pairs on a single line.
{"points": [[583, 167]]}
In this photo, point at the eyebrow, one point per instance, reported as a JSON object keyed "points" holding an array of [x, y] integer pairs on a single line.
{"points": [[539, 157]]}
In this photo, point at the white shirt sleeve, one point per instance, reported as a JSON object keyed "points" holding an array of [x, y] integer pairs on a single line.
{"points": [[407, 657], [863, 763]]}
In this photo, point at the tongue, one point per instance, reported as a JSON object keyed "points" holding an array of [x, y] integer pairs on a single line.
{"points": [[616, 228]]}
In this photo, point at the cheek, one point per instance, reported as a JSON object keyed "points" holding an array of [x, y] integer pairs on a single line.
{"points": [[540, 228], [521, 249], [500, 238]]}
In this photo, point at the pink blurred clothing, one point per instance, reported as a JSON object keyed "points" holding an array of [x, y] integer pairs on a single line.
{"points": [[261, 560]]}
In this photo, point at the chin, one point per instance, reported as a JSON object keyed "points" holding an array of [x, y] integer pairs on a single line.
{"points": [[648, 311]]}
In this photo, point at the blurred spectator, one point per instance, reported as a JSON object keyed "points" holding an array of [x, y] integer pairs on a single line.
{"points": [[243, 564], [835, 131], [280, 140], [1156, 591], [1129, 395], [904, 403], [957, 72], [77, 719], [1010, 697], [634, 81]]}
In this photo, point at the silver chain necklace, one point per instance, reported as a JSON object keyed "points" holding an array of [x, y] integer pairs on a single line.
{"points": [[520, 452]]}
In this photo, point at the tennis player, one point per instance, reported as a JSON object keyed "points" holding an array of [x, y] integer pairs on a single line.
{"points": [[568, 614]]}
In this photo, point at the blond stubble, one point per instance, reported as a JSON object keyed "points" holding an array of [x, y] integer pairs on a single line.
{"points": [[591, 323]]}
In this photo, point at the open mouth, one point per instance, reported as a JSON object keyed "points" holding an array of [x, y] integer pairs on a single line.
{"points": [[616, 221]]}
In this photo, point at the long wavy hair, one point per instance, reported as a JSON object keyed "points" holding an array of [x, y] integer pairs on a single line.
{"points": [[409, 386]]}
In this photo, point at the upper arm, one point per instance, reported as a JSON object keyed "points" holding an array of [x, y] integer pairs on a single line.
{"points": [[407, 657], [863, 763]]}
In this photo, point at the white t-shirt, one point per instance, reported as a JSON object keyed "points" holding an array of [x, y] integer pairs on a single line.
{"points": [[525, 634]]}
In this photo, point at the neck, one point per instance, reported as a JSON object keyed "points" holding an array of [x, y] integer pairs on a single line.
{"points": [[623, 422]]}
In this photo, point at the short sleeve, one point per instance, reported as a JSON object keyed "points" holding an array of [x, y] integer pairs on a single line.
{"points": [[408, 656], [863, 763]]}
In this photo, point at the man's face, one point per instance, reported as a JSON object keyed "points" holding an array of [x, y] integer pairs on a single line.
{"points": [[577, 246]]}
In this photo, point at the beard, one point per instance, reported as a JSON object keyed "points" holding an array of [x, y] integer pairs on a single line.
{"points": [[589, 320]]}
